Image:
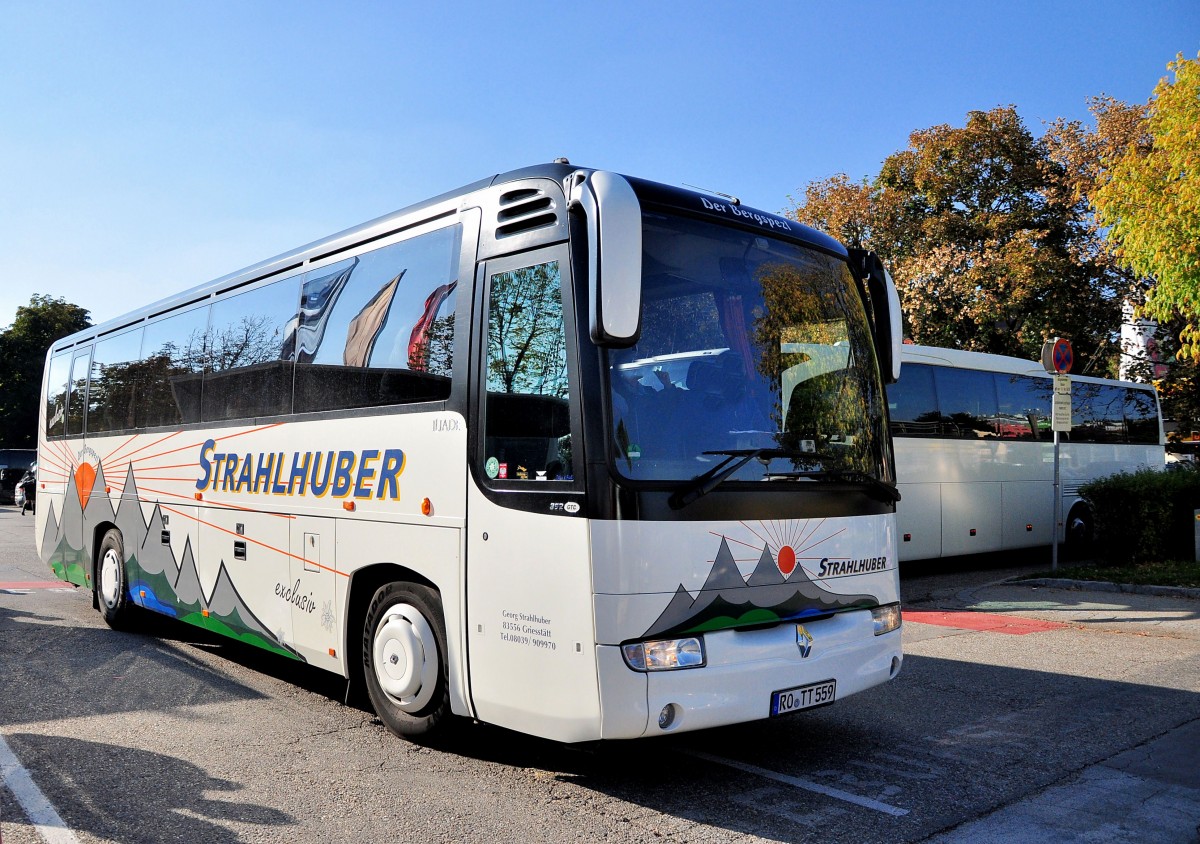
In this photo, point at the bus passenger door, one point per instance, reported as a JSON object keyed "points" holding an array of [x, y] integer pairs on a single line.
{"points": [[310, 591], [530, 629]]}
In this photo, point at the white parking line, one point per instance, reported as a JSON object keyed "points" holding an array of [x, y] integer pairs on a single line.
{"points": [[37, 808], [837, 794]]}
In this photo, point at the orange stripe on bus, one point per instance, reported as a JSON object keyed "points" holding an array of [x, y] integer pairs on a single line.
{"points": [[249, 539]]}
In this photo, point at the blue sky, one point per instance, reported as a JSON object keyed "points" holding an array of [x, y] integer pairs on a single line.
{"points": [[146, 147]]}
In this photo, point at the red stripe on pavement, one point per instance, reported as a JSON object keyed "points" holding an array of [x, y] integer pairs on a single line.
{"points": [[37, 584], [990, 622]]}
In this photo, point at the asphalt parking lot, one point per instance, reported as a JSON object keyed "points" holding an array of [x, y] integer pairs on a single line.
{"points": [[1023, 713]]}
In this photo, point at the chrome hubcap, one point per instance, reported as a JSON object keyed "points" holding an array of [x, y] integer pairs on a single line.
{"points": [[110, 578], [405, 657]]}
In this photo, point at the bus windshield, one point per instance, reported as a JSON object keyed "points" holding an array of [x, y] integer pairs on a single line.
{"points": [[749, 345]]}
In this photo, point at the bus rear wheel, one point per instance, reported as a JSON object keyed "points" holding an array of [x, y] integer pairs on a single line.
{"points": [[112, 584], [404, 660], [1080, 531]]}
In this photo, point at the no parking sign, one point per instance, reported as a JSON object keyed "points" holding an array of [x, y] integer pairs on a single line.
{"points": [[1057, 356]]}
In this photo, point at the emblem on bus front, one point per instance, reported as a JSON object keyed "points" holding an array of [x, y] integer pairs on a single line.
{"points": [[804, 641]]}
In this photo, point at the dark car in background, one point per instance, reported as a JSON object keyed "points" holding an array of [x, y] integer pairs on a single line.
{"points": [[14, 463]]}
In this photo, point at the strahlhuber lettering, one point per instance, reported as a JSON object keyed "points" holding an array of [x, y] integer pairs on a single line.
{"points": [[341, 474], [837, 568]]}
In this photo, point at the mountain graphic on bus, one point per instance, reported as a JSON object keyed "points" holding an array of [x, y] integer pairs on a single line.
{"points": [[156, 579], [727, 600]]}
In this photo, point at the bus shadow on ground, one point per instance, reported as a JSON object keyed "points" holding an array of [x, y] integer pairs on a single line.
{"points": [[946, 742], [86, 671], [117, 793]]}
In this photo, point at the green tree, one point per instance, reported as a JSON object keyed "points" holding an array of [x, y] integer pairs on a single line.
{"points": [[990, 246], [1148, 195], [23, 347]]}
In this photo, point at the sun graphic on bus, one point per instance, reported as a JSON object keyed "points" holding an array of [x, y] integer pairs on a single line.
{"points": [[785, 560], [787, 542], [85, 472]]}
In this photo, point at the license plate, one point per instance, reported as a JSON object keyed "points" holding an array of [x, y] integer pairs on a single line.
{"points": [[803, 697]]}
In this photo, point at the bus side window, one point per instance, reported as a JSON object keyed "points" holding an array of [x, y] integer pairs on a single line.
{"points": [[245, 373], [912, 403], [113, 396], [528, 422], [77, 400], [1098, 413], [1141, 416], [170, 369], [378, 329], [967, 402], [1024, 406], [56, 394]]}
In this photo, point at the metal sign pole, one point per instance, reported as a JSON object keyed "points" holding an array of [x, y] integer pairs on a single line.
{"points": [[1057, 357], [1057, 508]]}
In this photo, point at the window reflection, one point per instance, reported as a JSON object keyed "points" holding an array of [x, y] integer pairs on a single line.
{"points": [[77, 398], [747, 342], [912, 403], [379, 329], [1024, 407], [56, 394], [373, 330], [113, 395], [959, 407], [246, 373], [967, 401], [528, 424], [171, 367]]}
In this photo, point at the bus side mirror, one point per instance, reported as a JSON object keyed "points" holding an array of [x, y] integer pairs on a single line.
{"points": [[889, 326], [614, 243]]}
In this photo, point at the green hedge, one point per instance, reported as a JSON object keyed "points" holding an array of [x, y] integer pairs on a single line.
{"points": [[1145, 515]]}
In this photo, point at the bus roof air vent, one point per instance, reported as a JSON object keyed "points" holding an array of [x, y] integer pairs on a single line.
{"points": [[521, 214], [523, 210]]}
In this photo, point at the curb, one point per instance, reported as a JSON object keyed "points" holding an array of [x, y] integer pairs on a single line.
{"points": [[1104, 586]]}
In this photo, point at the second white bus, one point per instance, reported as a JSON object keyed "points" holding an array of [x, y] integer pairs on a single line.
{"points": [[975, 454]]}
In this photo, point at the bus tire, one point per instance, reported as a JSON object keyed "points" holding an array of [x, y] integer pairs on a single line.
{"points": [[112, 584], [1080, 530], [404, 660]]}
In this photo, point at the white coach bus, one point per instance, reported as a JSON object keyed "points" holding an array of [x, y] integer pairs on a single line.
{"points": [[975, 453], [519, 453]]}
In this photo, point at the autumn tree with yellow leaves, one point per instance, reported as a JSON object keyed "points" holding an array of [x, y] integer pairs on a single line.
{"points": [[1148, 196], [991, 247], [999, 239]]}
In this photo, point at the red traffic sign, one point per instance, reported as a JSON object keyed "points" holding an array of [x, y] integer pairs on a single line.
{"points": [[1057, 355]]}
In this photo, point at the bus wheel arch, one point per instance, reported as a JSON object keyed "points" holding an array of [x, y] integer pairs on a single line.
{"points": [[93, 570], [404, 660]]}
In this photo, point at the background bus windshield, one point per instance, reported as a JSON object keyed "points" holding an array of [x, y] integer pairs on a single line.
{"points": [[747, 342]]}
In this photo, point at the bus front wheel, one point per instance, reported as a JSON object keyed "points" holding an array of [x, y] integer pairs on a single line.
{"points": [[111, 583], [404, 660]]}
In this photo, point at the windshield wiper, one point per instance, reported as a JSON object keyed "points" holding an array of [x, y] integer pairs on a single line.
{"points": [[735, 459], [849, 476]]}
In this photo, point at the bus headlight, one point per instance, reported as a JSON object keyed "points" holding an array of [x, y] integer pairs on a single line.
{"points": [[886, 618], [665, 654]]}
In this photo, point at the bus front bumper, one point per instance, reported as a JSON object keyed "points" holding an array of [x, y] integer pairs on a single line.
{"points": [[744, 671]]}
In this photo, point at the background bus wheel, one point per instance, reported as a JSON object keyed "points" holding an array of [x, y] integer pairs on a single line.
{"points": [[1080, 532], [111, 584], [404, 660]]}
